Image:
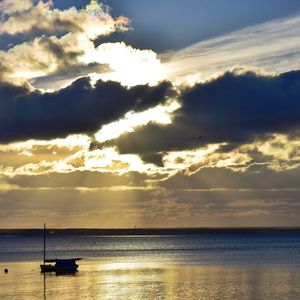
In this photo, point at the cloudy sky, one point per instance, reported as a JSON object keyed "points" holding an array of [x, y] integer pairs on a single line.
{"points": [[149, 113]]}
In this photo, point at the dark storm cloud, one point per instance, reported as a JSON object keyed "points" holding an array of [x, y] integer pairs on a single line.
{"points": [[232, 108], [74, 109]]}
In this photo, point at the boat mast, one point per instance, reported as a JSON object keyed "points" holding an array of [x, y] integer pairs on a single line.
{"points": [[44, 243]]}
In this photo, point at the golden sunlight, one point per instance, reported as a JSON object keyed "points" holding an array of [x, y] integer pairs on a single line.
{"points": [[128, 66], [160, 114]]}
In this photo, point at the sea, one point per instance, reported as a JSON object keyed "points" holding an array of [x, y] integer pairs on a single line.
{"points": [[198, 266]]}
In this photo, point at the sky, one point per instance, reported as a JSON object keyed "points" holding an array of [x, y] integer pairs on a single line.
{"points": [[135, 113]]}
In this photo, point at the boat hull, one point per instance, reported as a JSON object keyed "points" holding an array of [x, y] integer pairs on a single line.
{"points": [[58, 270]]}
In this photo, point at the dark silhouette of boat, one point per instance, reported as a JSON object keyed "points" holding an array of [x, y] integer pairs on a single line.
{"points": [[59, 266]]}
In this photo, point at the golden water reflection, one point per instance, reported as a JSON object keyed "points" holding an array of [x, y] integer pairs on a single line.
{"points": [[143, 280]]}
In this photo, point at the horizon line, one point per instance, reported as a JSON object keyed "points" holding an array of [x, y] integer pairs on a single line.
{"points": [[155, 228]]}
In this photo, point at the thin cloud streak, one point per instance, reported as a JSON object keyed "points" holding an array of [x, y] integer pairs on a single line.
{"points": [[273, 46]]}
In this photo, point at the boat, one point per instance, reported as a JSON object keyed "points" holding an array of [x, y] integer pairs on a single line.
{"points": [[59, 266]]}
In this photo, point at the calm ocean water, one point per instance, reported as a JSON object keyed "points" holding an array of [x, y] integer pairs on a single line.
{"points": [[217, 266]]}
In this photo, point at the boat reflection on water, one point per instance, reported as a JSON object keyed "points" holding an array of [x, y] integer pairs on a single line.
{"points": [[62, 273]]}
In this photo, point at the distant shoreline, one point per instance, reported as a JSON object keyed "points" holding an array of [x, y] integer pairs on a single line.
{"points": [[154, 231]]}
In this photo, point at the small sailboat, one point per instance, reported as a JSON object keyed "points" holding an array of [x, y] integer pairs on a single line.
{"points": [[59, 266]]}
